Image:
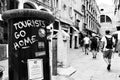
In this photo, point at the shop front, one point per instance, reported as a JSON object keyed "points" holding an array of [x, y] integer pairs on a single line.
{"points": [[74, 37]]}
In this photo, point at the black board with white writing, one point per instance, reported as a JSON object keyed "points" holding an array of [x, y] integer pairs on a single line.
{"points": [[28, 40], [28, 44], [28, 37]]}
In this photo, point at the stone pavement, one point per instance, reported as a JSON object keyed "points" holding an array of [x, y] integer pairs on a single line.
{"points": [[88, 68]]}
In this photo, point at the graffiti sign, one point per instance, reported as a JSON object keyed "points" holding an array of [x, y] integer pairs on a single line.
{"points": [[25, 33]]}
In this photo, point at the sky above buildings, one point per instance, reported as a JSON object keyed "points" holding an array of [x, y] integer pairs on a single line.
{"points": [[106, 5], [109, 2]]}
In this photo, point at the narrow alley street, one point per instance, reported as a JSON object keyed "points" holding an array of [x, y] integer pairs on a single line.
{"points": [[41, 39], [88, 68]]}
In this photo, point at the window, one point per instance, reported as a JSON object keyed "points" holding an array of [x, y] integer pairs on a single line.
{"points": [[105, 18], [87, 18], [102, 18], [27, 5], [71, 30], [56, 3], [56, 25], [83, 8], [87, 5], [55, 32], [108, 19]]}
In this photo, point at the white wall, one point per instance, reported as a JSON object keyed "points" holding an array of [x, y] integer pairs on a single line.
{"points": [[109, 11]]}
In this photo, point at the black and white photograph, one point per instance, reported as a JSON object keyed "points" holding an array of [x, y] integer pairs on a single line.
{"points": [[59, 39]]}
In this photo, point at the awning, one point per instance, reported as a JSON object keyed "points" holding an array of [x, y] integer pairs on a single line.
{"points": [[65, 34], [90, 30], [74, 28], [66, 21]]}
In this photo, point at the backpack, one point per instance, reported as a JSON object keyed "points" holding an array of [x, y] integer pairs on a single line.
{"points": [[109, 43], [94, 41]]}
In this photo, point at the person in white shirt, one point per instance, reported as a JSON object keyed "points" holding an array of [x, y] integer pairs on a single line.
{"points": [[86, 44], [107, 48]]}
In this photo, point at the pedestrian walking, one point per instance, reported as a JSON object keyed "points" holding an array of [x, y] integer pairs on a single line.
{"points": [[81, 41], [86, 44], [107, 48], [117, 37], [116, 41], [117, 45], [94, 45], [82, 45], [98, 43]]}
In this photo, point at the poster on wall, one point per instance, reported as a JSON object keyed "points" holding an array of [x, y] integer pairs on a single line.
{"points": [[35, 69]]}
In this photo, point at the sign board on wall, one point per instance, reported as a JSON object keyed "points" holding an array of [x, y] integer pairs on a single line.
{"points": [[35, 69]]}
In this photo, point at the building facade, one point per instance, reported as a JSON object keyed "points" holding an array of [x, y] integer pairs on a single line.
{"points": [[117, 12], [107, 18], [78, 17], [91, 17]]}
